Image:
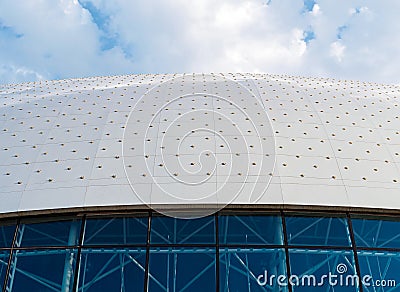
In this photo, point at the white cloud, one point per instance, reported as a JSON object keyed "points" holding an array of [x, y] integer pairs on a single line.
{"points": [[298, 46], [316, 10], [12, 74], [60, 39], [358, 10], [337, 50]]}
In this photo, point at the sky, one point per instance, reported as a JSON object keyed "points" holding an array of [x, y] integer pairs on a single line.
{"points": [[57, 39]]}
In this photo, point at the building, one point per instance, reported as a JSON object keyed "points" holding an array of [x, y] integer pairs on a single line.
{"points": [[199, 182]]}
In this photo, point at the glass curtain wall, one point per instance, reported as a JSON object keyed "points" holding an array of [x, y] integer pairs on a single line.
{"points": [[229, 251]]}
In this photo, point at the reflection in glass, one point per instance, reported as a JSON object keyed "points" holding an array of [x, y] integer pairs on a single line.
{"points": [[376, 233], [57, 233], [112, 270], [170, 230], [241, 267], [246, 229], [318, 265], [6, 235], [317, 231], [116, 231], [183, 269], [4, 255], [379, 269], [42, 270]]}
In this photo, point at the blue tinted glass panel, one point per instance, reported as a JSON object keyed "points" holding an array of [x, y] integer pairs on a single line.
{"points": [[318, 265], [59, 233], [182, 270], [43, 270], [237, 229], [112, 270], [116, 231], [170, 230], [6, 235], [317, 231], [251, 269], [376, 233], [379, 270], [3, 265]]}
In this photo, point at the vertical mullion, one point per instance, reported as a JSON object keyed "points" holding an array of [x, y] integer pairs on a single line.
{"points": [[216, 253], [11, 255], [146, 270], [354, 248], [78, 255], [285, 243]]}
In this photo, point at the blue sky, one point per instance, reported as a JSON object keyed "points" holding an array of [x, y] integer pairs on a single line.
{"points": [[345, 39]]}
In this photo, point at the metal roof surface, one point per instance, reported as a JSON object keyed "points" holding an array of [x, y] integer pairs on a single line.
{"points": [[199, 138]]}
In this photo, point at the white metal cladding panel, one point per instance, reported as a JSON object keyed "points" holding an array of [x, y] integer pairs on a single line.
{"points": [[337, 142]]}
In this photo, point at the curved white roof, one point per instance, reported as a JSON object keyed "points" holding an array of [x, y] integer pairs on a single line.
{"points": [[286, 140]]}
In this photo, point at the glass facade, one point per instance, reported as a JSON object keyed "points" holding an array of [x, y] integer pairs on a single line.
{"points": [[229, 251]]}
